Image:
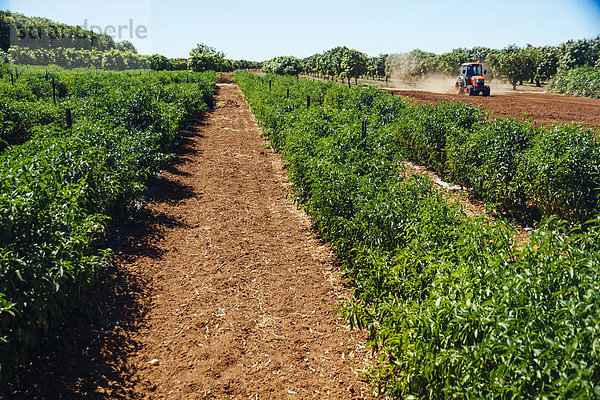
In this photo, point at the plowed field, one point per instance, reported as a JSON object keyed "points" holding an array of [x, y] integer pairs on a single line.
{"points": [[543, 107]]}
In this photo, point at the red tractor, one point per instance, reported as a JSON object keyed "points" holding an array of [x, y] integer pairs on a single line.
{"points": [[471, 80]]}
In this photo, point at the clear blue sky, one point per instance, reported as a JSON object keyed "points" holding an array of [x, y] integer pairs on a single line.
{"points": [[262, 29]]}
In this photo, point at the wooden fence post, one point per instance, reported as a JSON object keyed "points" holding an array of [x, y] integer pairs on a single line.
{"points": [[68, 118]]}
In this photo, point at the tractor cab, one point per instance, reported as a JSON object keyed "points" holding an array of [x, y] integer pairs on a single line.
{"points": [[471, 80], [472, 69]]}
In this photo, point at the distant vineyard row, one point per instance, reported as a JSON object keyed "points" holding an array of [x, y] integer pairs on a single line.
{"points": [[456, 307]]}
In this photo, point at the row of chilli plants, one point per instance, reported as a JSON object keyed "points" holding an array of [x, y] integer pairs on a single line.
{"points": [[31, 97], [528, 170], [64, 189], [454, 305], [27, 101]]}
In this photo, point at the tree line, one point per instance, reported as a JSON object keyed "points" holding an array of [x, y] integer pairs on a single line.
{"points": [[513, 63], [41, 41], [42, 33]]}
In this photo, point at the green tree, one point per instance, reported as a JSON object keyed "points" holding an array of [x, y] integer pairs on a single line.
{"points": [[126, 45], [450, 62], [178, 64], [547, 63], [136, 61], [159, 62], [283, 65], [532, 56], [376, 65], [513, 64], [578, 53], [206, 58], [330, 62], [4, 30], [353, 65], [114, 60], [309, 64], [245, 64]]}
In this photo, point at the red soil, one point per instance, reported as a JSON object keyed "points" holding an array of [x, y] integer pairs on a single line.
{"points": [[221, 290], [543, 107]]}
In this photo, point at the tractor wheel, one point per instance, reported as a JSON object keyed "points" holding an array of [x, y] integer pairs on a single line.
{"points": [[470, 91], [459, 88]]}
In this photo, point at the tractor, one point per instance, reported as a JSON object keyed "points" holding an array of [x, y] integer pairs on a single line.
{"points": [[471, 80]]}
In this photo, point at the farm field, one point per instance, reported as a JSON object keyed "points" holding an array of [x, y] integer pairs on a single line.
{"points": [[454, 304], [533, 102], [338, 226], [222, 282], [223, 289], [78, 149], [544, 107]]}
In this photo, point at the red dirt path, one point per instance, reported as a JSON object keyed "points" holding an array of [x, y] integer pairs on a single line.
{"points": [[544, 107], [221, 290]]}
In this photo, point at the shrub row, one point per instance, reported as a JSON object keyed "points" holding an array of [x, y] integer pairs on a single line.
{"points": [[455, 307], [61, 191], [538, 170], [582, 81], [34, 96], [69, 58]]}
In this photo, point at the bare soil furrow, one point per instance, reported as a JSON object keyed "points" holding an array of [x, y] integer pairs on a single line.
{"points": [[221, 290]]}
